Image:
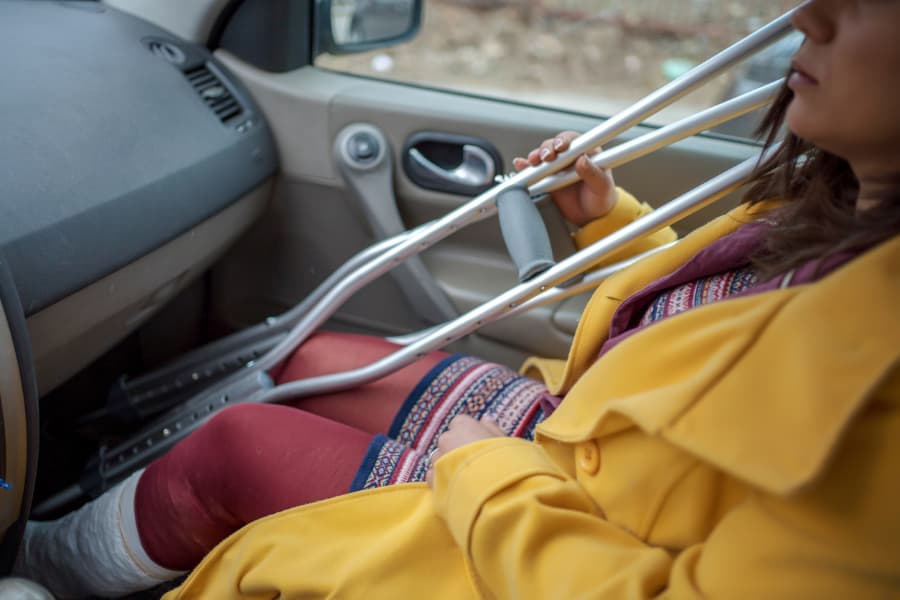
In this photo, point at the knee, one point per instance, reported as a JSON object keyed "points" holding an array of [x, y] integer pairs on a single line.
{"points": [[232, 445], [235, 425]]}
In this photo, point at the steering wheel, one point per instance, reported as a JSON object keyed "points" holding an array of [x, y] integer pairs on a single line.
{"points": [[18, 420]]}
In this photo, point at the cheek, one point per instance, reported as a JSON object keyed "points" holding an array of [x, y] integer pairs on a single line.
{"points": [[856, 103], [868, 106], [857, 99], [869, 90], [857, 128]]}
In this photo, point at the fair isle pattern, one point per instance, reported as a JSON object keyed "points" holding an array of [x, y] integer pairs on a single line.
{"points": [[458, 385], [391, 463], [475, 388], [702, 291], [436, 386]]}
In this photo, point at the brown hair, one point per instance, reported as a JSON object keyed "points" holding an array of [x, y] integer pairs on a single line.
{"points": [[819, 217]]}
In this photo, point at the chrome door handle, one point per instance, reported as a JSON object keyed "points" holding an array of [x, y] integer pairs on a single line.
{"points": [[475, 170]]}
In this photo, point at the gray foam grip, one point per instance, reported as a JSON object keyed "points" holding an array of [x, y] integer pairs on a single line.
{"points": [[524, 232]]}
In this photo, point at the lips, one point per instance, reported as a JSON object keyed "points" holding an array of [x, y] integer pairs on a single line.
{"points": [[799, 77]]}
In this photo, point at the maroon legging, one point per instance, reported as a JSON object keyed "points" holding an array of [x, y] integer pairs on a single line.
{"points": [[253, 460]]}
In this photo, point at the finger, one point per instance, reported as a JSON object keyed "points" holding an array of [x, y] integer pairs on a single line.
{"points": [[546, 150], [461, 420], [492, 425], [541, 153], [429, 477], [563, 139], [520, 163]]}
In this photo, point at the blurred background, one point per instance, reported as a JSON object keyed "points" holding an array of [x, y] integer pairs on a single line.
{"points": [[590, 56]]}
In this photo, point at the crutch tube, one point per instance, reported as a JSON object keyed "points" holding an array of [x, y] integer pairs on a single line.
{"points": [[672, 91], [665, 136], [484, 206], [555, 294], [670, 213], [611, 158], [615, 157]]}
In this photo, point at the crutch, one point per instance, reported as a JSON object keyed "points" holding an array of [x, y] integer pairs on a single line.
{"points": [[253, 384]]}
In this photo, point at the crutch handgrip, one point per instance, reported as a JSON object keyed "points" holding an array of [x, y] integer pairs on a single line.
{"points": [[524, 232]]}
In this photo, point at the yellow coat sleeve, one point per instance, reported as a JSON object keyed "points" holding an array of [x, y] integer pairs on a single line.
{"points": [[626, 210], [530, 531]]}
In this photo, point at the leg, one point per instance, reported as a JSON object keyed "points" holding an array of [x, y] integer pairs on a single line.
{"points": [[88, 552], [248, 462], [371, 407], [254, 460]]}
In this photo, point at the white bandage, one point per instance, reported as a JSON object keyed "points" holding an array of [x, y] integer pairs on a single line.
{"points": [[95, 550]]}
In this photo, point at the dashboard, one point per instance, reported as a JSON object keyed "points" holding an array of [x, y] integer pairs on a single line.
{"points": [[129, 161]]}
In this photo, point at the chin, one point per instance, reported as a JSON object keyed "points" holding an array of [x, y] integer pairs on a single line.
{"points": [[798, 129], [805, 125]]}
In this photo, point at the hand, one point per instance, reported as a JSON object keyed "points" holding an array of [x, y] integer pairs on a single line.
{"points": [[582, 202], [463, 430]]}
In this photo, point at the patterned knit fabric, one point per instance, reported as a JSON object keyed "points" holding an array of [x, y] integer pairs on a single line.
{"points": [[695, 293], [457, 385]]}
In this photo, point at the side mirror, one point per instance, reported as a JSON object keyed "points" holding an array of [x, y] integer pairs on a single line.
{"points": [[348, 26]]}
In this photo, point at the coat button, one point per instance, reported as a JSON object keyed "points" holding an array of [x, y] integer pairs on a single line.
{"points": [[588, 457]]}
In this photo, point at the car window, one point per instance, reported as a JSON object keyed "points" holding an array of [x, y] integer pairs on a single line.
{"points": [[590, 56]]}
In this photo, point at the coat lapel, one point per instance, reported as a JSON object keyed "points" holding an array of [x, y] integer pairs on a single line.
{"points": [[761, 386], [593, 327]]}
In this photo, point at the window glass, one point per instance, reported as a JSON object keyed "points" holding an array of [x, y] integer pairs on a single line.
{"points": [[592, 56]]}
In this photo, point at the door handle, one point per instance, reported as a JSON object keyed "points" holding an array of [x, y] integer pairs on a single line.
{"points": [[476, 168]]}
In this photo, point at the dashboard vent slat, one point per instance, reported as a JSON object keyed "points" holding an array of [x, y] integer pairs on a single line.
{"points": [[214, 93]]}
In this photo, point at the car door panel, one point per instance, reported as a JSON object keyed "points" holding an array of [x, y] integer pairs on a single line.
{"points": [[309, 107]]}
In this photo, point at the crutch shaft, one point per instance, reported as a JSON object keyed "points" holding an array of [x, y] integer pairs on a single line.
{"points": [[665, 136], [484, 205], [664, 216]]}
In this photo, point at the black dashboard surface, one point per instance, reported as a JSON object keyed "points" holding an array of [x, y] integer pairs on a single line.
{"points": [[110, 146]]}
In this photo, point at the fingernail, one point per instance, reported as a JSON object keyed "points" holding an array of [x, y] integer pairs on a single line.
{"points": [[557, 143], [545, 153]]}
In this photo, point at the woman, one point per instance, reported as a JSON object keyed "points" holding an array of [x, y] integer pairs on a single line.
{"points": [[744, 448]]}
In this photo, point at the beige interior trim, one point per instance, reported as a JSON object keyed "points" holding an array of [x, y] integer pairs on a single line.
{"points": [[296, 104], [12, 401], [69, 334], [190, 19]]}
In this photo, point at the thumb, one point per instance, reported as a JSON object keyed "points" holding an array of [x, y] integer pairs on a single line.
{"points": [[599, 182], [596, 177]]}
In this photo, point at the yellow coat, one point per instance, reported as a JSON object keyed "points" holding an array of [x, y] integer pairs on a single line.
{"points": [[744, 449]]}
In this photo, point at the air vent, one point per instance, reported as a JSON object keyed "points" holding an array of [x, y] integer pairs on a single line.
{"points": [[214, 93]]}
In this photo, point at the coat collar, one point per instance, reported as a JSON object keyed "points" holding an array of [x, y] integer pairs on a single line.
{"points": [[762, 386]]}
